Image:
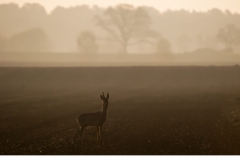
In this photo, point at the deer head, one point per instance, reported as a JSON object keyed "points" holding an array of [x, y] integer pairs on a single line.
{"points": [[104, 100]]}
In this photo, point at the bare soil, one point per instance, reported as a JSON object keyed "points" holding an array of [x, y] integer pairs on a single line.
{"points": [[152, 110]]}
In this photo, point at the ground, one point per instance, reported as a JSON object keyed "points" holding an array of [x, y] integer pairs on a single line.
{"points": [[152, 110]]}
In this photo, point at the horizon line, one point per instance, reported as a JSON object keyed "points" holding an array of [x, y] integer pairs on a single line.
{"points": [[49, 11]]}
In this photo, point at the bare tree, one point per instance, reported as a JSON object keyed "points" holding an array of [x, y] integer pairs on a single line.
{"points": [[229, 36], [87, 42], [126, 25]]}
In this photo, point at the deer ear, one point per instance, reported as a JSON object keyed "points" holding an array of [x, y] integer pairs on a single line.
{"points": [[107, 95], [101, 97]]}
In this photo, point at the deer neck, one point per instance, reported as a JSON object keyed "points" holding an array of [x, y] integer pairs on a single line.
{"points": [[104, 109]]}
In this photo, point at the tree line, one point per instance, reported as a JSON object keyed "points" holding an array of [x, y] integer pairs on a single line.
{"points": [[122, 29]]}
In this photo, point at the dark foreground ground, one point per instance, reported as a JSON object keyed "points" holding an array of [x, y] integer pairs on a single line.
{"points": [[152, 110]]}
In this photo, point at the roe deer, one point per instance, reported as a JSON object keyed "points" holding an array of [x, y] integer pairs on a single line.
{"points": [[96, 119]]}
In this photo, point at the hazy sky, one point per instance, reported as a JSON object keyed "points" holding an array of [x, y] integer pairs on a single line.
{"points": [[161, 5]]}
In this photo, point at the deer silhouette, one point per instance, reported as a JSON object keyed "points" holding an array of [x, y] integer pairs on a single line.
{"points": [[96, 119]]}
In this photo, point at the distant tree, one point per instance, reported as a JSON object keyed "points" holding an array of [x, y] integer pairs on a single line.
{"points": [[126, 25], [229, 36], [3, 42], [215, 12], [34, 40], [15, 19], [87, 42], [163, 46], [34, 8]]}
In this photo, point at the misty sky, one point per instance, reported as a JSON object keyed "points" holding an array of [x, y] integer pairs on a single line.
{"points": [[161, 5]]}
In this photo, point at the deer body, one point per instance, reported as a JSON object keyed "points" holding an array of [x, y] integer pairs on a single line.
{"points": [[96, 119], [92, 119]]}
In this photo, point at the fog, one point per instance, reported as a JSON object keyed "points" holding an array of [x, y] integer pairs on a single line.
{"points": [[121, 34], [171, 81]]}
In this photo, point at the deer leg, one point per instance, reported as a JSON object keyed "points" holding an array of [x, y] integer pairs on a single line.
{"points": [[97, 134], [81, 132], [76, 136], [100, 135]]}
